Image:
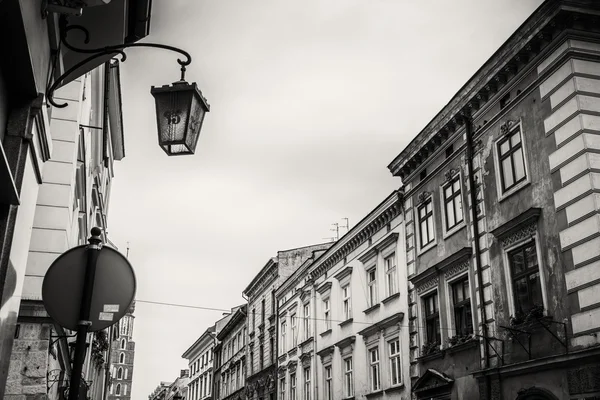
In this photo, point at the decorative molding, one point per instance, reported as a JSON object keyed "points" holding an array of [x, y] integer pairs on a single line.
{"points": [[385, 323], [326, 351], [343, 273], [387, 242], [368, 256], [451, 173], [507, 126], [456, 269], [324, 288], [345, 342], [520, 227], [523, 233], [428, 284], [422, 197]]}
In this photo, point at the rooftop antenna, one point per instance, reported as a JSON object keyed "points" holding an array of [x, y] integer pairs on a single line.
{"points": [[347, 226], [336, 229]]}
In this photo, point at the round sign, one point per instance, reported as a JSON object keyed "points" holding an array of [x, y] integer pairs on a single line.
{"points": [[113, 294]]}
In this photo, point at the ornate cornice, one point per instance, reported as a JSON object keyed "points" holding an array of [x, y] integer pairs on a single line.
{"points": [[388, 210], [428, 284], [456, 269], [324, 288], [326, 351], [507, 126], [483, 87]]}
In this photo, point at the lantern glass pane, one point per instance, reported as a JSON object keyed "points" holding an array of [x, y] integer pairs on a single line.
{"points": [[172, 108], [196, 119]]}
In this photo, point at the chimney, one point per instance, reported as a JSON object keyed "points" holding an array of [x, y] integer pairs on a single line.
{"points": [[184, 373]]}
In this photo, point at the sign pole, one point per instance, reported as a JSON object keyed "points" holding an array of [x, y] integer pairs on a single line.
{"points": [[93, 250]]}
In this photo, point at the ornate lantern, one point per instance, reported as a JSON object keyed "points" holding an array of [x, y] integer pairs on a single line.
{"points": [[180, 111]]}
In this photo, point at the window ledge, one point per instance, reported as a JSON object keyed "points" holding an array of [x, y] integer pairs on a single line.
{"points": [[393, 389], [513, 190], [462, 346], [325, 333], [429, 357], [425, 249], [455, 229], [372, 308], [390, 298], [377, 393], [346, 322], [348, 398]]}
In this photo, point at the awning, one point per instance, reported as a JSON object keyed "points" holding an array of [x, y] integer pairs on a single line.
{"points": [[8, 189]]}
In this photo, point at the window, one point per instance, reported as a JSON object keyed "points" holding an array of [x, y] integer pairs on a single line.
{"points": [[395, 377], [348, 380], [124, 390], [328, 383], [294, 330], [327, 314], [426, 222], [432, 319], [390, 274], [511, 160], [272, 302], [374, 369], [125, 373], [120, 373], [525, 275], [307, 321], [307, 383], [282, 389], [272, 350], [118, 389], [123, 344], [283, 342], [122, 358], [243, 337], [261, 354], [346, 305], [461, 299], [253, 318], [453, 203], [372, 286], [293, 386], [251, 362]]}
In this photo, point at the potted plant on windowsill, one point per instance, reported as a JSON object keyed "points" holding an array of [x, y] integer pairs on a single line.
{"points": [[521, 319], [430, 348], [460, 339]]}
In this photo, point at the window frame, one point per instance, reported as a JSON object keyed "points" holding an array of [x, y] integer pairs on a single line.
{"points": [[348, 376], [374, 369], [420, 247], [307, 378], [508, 271], [328, 379], [327, 313], [283, 328], [391, 274], [306, 325], [501, 191], [450, 230], [461, 305], [293, 383], [397, 359], [294, 329], [347, 301], [431, 317], [282, 388], [372, 292]]}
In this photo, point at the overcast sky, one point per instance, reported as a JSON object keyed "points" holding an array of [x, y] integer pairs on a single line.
{"points": [[310, 101]]}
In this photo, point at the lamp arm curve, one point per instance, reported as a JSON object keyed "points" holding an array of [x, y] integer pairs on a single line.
{"points": [[99, 52]]}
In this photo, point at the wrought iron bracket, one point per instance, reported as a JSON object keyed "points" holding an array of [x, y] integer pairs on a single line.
{"points": [[115, 50], [487, 340]]}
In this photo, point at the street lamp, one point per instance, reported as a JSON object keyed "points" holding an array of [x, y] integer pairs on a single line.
{"points": [[180, 107]]}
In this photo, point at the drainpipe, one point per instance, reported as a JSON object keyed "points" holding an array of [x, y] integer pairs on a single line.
{"points": [[473, 196], [314, 328]]}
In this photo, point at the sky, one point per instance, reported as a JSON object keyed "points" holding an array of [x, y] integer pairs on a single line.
{"points": [[310, 101]]}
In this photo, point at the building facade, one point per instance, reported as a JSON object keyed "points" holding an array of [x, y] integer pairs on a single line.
{"points": [[176, 390], [32, 146], [73, 197], [502, 221], [230, 357], [200, 359], [341, 315], [261, 352], [122, 357]]}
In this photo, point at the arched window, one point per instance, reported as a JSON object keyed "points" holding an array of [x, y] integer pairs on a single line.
{"points": [[124, 390], [123, 344], [122, 358], [125, 373], [536, 394], [118, 389], [120, 373]]}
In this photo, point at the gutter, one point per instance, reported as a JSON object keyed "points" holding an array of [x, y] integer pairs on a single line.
{"points": [[473, 196]]}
